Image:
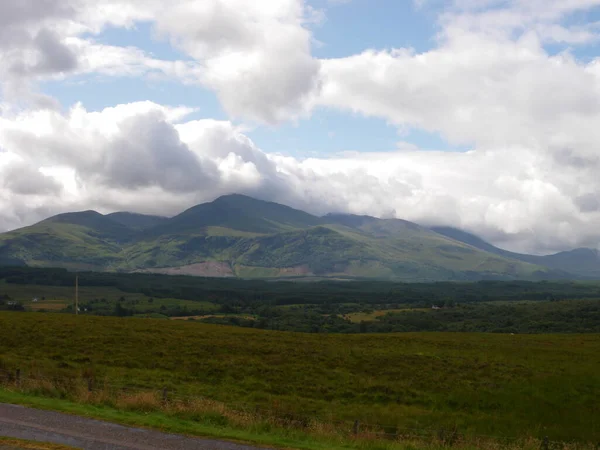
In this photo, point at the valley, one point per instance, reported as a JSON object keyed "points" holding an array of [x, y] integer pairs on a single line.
{"points": [[321, 306], [297, 364]]}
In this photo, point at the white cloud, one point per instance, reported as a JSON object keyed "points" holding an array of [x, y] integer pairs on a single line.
{"points": [[473, 90], [142, 157], [109, 60], [530, 117], [256, 55], [509, 18]]}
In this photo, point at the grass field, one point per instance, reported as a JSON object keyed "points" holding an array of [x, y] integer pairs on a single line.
{"points": [[58, 298], [499, 385], [373, 315]]}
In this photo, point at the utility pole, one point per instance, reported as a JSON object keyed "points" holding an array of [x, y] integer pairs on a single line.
{"points": [[76, 294]]}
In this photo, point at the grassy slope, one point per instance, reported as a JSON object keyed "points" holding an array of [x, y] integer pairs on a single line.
{"points": [[331, 250], [413, 250], [85, 240], [136, 221], [582, 261], [486, 384], [60, 245]]}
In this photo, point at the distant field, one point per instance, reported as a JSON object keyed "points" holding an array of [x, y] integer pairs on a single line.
{"points": [[371, 316], [94, 298], [499, 385], [47, 305]]}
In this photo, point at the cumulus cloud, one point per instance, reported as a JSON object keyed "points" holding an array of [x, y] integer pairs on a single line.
{"points": [[146, 158], [136, 156], [473, 90], [509, 18], [529, 116], [23, 179], [54, 39], [256, 56]]}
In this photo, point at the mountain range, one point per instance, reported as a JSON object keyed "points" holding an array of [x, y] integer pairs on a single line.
{"points": [[239, 236]]}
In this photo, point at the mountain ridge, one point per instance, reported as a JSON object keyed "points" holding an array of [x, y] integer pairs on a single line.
{"points": [[584, 262], [242, 236]]}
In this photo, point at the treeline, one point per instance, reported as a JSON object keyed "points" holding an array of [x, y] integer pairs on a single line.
{"points": [[484, 306], [240, 293], [568, 316]]}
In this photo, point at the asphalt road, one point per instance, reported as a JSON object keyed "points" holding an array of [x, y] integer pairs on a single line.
{"points": [[88, 434]]}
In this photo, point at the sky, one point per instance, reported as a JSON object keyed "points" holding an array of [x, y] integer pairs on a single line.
{"points": [[478, 114]]}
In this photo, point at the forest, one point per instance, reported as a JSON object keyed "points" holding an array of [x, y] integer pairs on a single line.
{"points": [[324, 306]]}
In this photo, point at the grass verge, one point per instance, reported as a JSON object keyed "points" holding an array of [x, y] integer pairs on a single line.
{"points": [[134, 411], [215, 421], [20, 444]]}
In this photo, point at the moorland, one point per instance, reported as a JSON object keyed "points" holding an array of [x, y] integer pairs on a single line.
{"points": [[483, 384]]}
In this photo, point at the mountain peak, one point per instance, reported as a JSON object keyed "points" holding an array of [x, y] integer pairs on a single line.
{"points": [[77, 218], [86, 213], [234, 196], [100, 225], [241, 213]]}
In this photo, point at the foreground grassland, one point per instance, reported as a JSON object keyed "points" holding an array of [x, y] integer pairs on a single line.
{"points": [[485, 384], [207, 418]]}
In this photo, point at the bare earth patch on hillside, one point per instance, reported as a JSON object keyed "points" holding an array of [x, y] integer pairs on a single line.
{"points": [[273, 272], [203, 269], [295, 271]]}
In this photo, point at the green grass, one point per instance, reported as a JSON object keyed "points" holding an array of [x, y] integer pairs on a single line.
{"points": [[487, 384], [259, 432], [205, 426]]}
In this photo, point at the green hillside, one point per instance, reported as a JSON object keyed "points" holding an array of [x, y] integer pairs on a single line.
{"points": [[85, 240], [240, 236], [99, 225], [136, 221], [584, 262]]}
